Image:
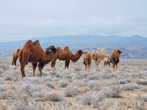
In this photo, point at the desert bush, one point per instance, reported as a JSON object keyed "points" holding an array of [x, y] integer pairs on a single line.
{"points": [[4, 66], [112, 91], [94, 77], [54, 97], [144, 97], [138, 103], [142, 82], [63, 84], [84, 90], [130, 86], [30, 89], [85, 99], [2, 89], [37, 94], [109, 104], [32, 80], [10, 76], [92, 84], [71, 92], [1, 70], [79, 83], [50, 85], [22, 103], [94, 98]]}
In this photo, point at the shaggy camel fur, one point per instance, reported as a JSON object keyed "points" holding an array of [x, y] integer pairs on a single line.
{"points": [[99, 55], [66, 55], [33, 53], [87, 60], [114, 59], [15, 57]]}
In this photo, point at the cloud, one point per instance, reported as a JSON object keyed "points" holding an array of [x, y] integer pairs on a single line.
{"points": [[33, 18]]}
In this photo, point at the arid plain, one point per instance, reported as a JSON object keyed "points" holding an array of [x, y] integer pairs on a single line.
{"points": [[101, 88]]}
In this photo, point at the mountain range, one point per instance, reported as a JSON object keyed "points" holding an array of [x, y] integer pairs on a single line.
{"points": [[131, 46]]}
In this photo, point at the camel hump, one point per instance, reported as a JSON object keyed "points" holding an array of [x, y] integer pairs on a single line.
{"points": [[36, 43], [88, 54], [66, 48], [28, 43]]}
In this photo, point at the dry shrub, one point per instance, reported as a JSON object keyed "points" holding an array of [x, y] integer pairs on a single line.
{"points": [[71, 92]]}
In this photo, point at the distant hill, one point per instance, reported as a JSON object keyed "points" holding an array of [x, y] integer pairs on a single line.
{"points": [[132, 46]]}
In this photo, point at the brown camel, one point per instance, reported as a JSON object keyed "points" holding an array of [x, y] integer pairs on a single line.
{"points": [[87, 60], [66, 55], [99, 55], [33, 53], [114, 59]]}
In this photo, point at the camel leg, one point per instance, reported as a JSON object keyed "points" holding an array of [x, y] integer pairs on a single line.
{"points": [[34, 68], [85, 67], [53, 63], [116, 66], [67, 64], [109, 64], [89, 66], [113, 66], [104, 64], [40, 66], [22, 67]]}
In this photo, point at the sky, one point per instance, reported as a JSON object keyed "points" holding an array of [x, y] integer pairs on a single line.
{"points": [[25, 19]]}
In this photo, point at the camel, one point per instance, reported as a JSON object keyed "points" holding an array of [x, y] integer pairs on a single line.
{"points": [[87, 60], [66, 55], [114, 59], [99, 55], [15, 57], [32, 52], [107, 61]]}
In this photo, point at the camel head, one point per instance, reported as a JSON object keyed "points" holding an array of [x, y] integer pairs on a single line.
{"points": [[76, 56], [116, 52], [80, 52], [51, 49], [119, 51]]}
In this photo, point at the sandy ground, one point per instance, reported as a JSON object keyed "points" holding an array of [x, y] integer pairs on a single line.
{"points": [[100, 88]]}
